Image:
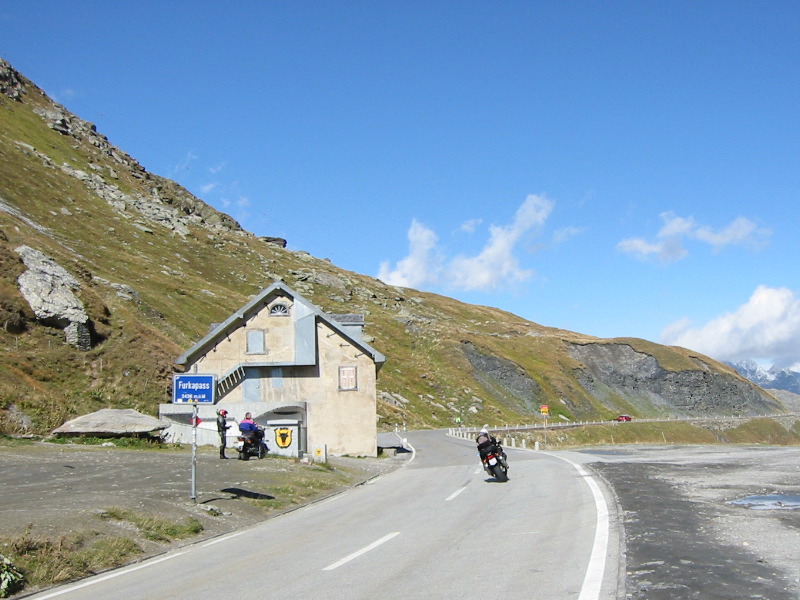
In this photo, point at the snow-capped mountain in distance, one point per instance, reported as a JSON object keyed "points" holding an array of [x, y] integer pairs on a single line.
{"points": [[772, 378]]}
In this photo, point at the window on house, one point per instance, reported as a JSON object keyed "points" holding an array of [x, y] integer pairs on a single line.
{"points": [[276, 377], [348, 379], [255, 341], [279, 310]]}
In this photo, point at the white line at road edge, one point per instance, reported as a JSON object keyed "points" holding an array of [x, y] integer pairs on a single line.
{"points": [[364, 550], [224, 538], [92, 581], [404, 443], [593, 581]]}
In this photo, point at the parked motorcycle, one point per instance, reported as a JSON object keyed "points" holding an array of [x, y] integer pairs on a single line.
{"points": [[251, 444]]}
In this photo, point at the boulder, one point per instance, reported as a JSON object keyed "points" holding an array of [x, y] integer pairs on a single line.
{"points": [[49, 290], [111, 422]]}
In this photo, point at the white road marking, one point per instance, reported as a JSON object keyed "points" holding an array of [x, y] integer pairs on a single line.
{"points": [[358, 553], [223, 539], [593, 580], [111, 575], [456, 493]]}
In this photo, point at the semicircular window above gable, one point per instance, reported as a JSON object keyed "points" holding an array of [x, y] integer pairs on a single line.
{"points": [[279, 310]]}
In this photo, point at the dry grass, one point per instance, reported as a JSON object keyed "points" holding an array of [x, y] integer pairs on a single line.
{"points": [[44, 561], [755, 431], [155, 528]]}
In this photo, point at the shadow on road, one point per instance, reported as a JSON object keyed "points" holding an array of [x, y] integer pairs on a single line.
{"points": [[240, 493]]}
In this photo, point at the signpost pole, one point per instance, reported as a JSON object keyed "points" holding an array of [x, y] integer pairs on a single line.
{"points": [[194, 388], [194, 453]]}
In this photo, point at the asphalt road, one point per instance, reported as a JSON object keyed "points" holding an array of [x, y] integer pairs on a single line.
{"points": [[437, 528], [440, 528]]}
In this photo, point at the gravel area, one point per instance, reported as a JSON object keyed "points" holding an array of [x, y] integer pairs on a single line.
{"points": [[57, 488], [684, 536]]}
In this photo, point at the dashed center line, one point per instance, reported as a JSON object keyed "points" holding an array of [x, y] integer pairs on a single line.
{"points": [[456, 493], [358, 553]]}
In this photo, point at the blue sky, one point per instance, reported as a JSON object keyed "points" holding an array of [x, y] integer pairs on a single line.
{"points": [[613, 168]]}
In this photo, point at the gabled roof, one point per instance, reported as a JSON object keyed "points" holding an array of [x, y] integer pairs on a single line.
{"points": [[240, 317]]}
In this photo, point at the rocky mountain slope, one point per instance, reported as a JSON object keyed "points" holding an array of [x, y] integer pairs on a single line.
{"points": [[109, 272]]}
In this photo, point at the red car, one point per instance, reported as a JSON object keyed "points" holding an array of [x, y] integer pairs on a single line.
{"points": [[623, 418]]}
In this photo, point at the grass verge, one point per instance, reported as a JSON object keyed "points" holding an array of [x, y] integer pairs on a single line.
{"points": [[754, 431], [45, 561], [38, 561], [155, 528]]}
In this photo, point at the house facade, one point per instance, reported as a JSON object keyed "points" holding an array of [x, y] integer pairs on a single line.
{"points": [[306, 375]]}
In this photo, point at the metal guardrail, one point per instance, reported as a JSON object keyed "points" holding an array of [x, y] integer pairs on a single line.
{"points": [[464, 432]]}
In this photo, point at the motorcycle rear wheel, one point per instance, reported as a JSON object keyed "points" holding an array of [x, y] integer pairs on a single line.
{"points": [[499, 473]]}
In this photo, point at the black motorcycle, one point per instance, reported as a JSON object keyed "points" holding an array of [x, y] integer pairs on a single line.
{"points": [[251, 443], [494, 461]]}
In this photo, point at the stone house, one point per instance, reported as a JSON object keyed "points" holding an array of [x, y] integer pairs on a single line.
{"points": [[296, 368]]}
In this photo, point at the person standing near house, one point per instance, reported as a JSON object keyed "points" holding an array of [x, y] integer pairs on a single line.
{"points": [[222, 428]]}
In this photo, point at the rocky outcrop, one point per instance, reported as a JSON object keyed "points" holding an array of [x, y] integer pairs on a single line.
{"points": [[50, 290], [504, 377], [275, 241], [618, 376], [10, 81], [167, 204]]}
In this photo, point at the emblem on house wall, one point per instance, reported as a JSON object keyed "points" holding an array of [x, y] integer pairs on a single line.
{"points": [[283, 437]]}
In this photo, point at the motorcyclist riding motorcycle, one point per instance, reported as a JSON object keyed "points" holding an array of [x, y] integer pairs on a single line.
{"points": [[488, 444], [251, 441]]}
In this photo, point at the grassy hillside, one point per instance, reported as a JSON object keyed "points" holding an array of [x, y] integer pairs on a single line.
{"points": [[157, 267]]}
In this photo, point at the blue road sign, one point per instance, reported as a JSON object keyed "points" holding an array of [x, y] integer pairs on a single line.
{"points": [[194, 388]]}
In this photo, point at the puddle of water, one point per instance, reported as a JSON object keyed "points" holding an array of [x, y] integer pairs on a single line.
{"points": [[769, 502]]}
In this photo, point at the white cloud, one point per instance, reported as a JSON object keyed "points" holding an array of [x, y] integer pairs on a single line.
{"points": [[67, 93], [184, 163], [666, 251], [669, 245], [767, 327], [471, 225], [420, 266], [207, 188], [567, 233], [496, 265], [741, 231]]}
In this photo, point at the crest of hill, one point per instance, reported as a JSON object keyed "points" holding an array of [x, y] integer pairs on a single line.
{"points": [[156, 267]]}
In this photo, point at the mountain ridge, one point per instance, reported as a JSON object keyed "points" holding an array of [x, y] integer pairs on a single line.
{"points": [[155, 267], [772, 378]]}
